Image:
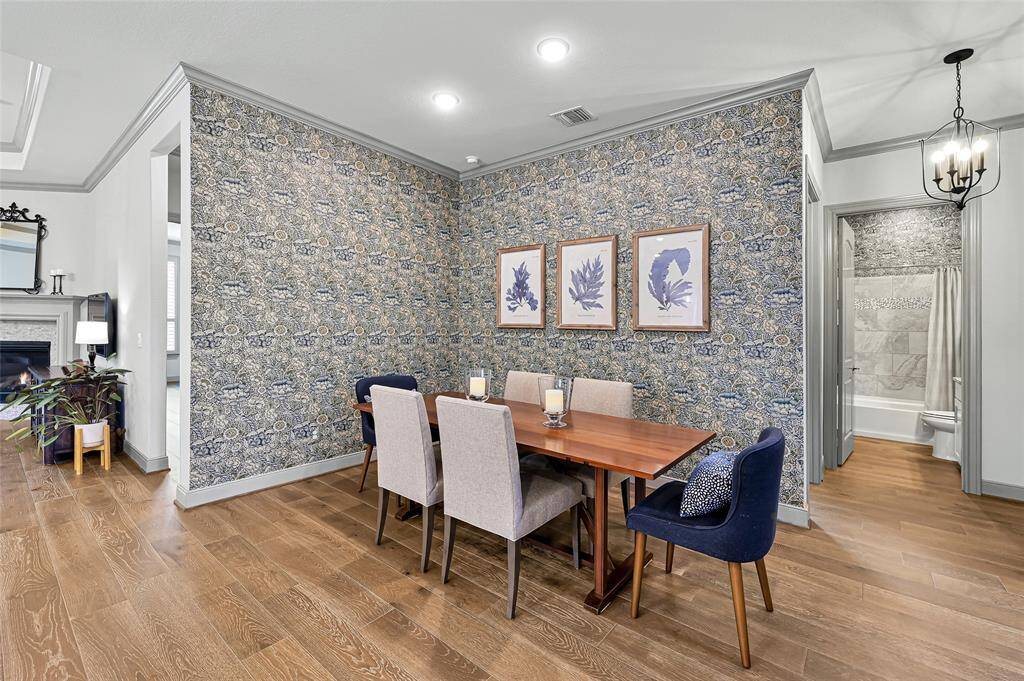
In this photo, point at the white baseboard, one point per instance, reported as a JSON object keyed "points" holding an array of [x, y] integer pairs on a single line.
{"points": [[895, 437], [226, 490], [1002, 489], [794, 515], [145, 464]]}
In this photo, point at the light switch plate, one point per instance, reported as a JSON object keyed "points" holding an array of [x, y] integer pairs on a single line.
{"points": [[138, 340]]}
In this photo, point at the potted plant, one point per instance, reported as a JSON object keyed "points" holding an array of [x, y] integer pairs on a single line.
{"points": [[82, 399]]}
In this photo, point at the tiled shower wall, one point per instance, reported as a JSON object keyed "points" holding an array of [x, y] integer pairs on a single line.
{"points": [[895, 255]]}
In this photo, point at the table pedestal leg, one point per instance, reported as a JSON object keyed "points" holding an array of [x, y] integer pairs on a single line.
{"points": [[607, 584]]}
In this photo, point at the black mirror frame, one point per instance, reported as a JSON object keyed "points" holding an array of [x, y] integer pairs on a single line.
{"points": [[15, 214]]}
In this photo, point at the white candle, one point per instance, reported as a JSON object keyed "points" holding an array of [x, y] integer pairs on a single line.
{"points": [[553, 401], [56, 272], [477, 386]]}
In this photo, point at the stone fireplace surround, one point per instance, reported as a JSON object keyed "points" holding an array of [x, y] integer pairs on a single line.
{"points": [[25, 317]]}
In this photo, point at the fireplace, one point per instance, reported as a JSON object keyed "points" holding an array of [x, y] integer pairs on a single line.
{"points": [[15, 359]]}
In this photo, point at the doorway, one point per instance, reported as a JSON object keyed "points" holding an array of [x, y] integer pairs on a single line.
{"points": [[882, 261], [172, 324]]}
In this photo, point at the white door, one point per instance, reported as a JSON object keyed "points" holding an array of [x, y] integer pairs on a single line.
{"points": [[846, 331]]}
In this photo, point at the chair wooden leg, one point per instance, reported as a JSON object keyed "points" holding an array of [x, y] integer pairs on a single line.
{"points": [[382, 512], [624, 488], [766, 592], [740, 608], [106, 447], [639, 549], [366, 467], [514, 555], [79, 454], [574, 522], [449, 546], [670, 552], [428, 535]]}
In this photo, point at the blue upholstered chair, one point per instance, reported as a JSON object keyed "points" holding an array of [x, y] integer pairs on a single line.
{"points": [[362, 394], [742, 533]]}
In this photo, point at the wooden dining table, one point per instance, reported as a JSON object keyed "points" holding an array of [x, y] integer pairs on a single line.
{"points": [[641, 449]]}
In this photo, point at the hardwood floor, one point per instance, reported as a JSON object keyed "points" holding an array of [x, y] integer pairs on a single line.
{"points": [[102, 577]]}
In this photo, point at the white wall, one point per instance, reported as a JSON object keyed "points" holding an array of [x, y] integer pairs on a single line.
{"points": [[70, 241], [898, 173], [131, 219]]}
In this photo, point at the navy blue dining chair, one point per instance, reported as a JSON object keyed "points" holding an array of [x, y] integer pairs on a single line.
{"points": [[742, 533], [400, 381]]}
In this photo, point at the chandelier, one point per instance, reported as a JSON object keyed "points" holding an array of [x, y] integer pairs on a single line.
{"points": [[956, 157]]}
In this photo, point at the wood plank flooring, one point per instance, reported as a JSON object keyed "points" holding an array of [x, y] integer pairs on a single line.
{"points": [[101, 577]]}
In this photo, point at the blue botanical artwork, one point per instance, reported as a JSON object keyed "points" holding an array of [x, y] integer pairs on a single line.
{"points": [[519, 294], [669, 292], [587, 282]]}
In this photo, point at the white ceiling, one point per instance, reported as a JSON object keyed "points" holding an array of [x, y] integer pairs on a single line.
{"points": [[373, 66], [14, 73]]}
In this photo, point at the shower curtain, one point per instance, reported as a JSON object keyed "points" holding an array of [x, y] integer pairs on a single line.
{"points": [[943, 340]]}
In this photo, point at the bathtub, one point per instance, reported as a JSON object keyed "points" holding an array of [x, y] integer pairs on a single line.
{"points": [[889, 418]]}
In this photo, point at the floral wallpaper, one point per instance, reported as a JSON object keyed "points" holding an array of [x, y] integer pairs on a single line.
{"points": [[740, 171], [315, 261], [905, 241]]}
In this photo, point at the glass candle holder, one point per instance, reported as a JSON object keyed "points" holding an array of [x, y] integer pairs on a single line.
{"points": [[478, 385], [555, 399]]}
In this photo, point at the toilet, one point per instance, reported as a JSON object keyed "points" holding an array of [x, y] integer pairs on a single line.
{"points": [[943, 424]]}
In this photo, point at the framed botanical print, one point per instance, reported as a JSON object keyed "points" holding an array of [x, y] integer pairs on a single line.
{"points": [[586, 280], [520, 287], [672, 279]]}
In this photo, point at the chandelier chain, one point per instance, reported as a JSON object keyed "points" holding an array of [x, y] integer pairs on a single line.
{"points": [[958, 112]]}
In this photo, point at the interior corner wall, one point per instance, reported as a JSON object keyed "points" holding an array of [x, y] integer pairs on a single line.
{"points": [[315, 261], [898, 173], [127, 262], [70, 241], [741, 171]]}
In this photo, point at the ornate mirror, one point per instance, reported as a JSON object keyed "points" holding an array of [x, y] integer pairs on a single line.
{"points": [[20, 240]]}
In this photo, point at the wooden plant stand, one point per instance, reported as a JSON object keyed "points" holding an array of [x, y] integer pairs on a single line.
{"points": [[102, 447]]}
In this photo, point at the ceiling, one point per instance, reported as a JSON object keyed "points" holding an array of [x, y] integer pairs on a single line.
{"points": [[372, 66]]}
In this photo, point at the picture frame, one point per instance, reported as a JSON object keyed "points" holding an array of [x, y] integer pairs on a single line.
{"points": [[586, 281], [672, 279], [520, 287]]}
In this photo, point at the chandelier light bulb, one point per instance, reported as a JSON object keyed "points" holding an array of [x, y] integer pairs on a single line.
{"points": [[938, 157], [950, 148], [964, 154], [980, 145]]}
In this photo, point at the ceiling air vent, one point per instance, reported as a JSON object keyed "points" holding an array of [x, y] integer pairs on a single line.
{"points": [[573, 116]]}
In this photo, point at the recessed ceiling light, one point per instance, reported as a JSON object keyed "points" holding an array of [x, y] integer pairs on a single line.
{"points": [[472, 160], [552, 49], [445, 101]]}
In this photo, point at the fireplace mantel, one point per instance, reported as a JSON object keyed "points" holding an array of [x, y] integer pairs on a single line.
{"points": [[63, 311]]}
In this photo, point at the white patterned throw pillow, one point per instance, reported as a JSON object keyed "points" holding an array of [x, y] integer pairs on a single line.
{"points": [[709, 488]]}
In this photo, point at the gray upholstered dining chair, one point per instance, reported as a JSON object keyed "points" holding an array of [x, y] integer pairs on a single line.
{"points": [[407, 462], [486, 489], [611, 398], [524, 386]]}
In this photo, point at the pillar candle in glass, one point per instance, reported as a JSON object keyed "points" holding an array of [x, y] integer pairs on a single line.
{"points": [[478, 384], [556, 397]]}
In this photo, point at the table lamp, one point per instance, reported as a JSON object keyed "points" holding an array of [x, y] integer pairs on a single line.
{"points": [[91, 334]]}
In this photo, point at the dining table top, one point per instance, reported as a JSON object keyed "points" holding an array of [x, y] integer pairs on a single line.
{"points": [[643, 449]]}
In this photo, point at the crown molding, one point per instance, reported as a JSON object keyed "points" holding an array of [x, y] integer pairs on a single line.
{"points": [[208, 80], [28, 115], [745, 95], [42, 187], [911, 141], [816, 111]]}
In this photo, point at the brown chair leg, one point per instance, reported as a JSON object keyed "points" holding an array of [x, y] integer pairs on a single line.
{"points": [[670, 552], [740, 608], [624, 488], [366, 467], [639, 549], [574, 522], [514, 555], [428, 535], [449, 546], [382, 512], [766, 592]]}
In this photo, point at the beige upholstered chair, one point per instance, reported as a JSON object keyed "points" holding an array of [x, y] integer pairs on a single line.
{"points": [[523, 386], [485, 487], [612, 398], [407, 462]]}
